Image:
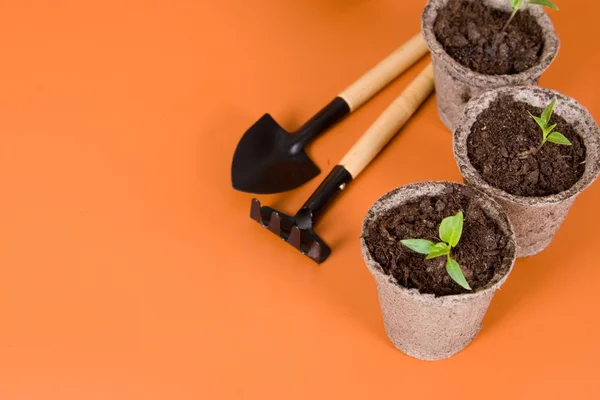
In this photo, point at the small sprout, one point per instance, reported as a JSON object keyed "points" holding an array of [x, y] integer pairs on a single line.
{"points": [[548, 135], [518, 4], [450, 231]]}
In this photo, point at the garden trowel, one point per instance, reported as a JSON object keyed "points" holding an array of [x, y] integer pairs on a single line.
{"points": [[270, 160]]}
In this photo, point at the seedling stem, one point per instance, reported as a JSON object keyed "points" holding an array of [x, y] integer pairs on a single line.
{"points": [[519, 4]]}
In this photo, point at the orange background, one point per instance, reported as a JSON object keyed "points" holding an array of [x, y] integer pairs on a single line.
{"points": [[130, 268]]}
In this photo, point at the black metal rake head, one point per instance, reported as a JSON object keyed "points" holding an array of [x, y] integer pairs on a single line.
{"points": [[296, 231]]}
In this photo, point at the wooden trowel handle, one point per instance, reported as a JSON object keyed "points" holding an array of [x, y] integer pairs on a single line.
{"points": [[388, 123], [360, 91], [384, 72]]}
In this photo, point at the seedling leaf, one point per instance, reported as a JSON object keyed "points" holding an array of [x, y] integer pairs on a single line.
{"points": [[547, 134], [440, 249], [547, 113], [540, 121], [545, 3], [421, 246], [451, 229], [455, 273], [518, 4], [548, 129], [558, 138]]}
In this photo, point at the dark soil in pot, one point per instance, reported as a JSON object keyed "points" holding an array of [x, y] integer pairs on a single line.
{"points": [[504, 147], [481, 250], [472, 34]]}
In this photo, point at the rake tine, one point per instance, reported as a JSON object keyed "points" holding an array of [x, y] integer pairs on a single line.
{"points": [[315, 251], [255, 211], [294, 238], [275, 224]]}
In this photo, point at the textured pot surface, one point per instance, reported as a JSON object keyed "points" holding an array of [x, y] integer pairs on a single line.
{"points": [[535, 219], [456, 84], [426, 326]]}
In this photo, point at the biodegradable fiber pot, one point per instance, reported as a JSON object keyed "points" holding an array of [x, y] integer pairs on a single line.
{"points": [[421, 323], [455, 84], [535, 219]]}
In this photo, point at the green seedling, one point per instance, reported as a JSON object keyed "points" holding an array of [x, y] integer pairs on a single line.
{"points": [[519, 4], [548, 133], [450, 231]]}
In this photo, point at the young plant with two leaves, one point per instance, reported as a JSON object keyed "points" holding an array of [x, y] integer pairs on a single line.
{"points": [[548, 132], [450, 232]]}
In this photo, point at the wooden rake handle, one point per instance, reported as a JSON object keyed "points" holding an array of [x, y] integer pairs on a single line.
{"points": [[367, 147], [388, 123]]}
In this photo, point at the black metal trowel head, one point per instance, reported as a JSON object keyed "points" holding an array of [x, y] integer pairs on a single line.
{"points": [[270, 160], [267, 161]]}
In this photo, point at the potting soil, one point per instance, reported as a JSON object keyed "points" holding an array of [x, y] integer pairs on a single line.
{"points": [[480, 252], [502, 148], [471, 33]]}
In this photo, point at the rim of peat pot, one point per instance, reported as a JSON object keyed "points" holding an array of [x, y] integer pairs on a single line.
{"points": [[403, 194], [567, 107], [466, 75]]}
